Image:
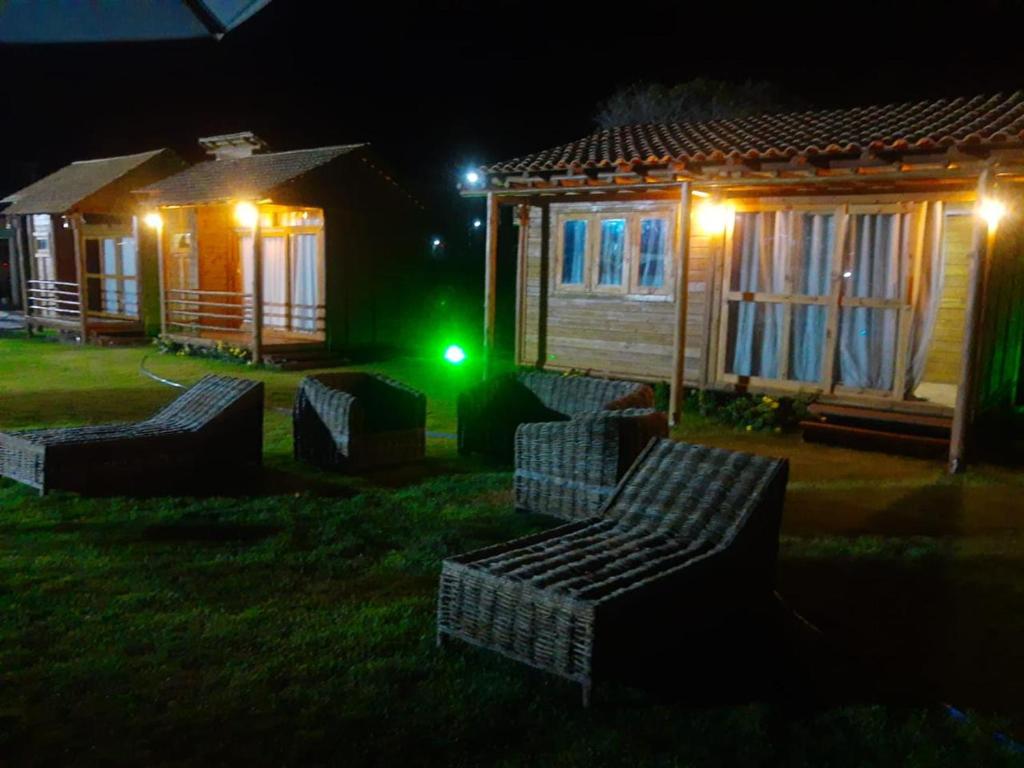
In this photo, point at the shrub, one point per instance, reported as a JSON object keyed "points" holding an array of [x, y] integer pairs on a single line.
{"points": [[752, 412], [218, 351]]}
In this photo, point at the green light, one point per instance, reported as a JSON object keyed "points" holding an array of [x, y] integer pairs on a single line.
{"points": [[454, 354]]}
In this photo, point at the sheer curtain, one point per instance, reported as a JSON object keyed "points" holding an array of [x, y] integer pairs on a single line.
{"points": [[761, 241], [305, 286], [929, 295], [812, 273], [275, 287], [876, 256]]}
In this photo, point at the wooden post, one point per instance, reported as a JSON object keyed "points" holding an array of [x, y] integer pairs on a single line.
{"points": [[20, 255], [545, 284], [963, 415], [160, 276], [490, 281], [521, 279], [257, 290], [80, 272], [682, 262]]}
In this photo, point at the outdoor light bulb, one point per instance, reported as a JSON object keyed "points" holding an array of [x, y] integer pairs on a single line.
{"points": [[992, 211], [712, 218], [477, 223], [472, 177], [153, 220], [454, 354], [436, 242], [246, 214]]}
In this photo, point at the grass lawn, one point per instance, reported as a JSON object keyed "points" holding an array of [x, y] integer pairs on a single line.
{"points": [[293, 622]]}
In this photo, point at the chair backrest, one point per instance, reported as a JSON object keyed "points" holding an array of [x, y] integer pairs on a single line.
{"points": [[204, 402], [584, 394], [686, 491], [386, 404]]}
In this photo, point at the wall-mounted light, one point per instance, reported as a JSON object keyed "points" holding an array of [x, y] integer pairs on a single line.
{"points": [[436, 242], [712, 218], [246, 214], [153, 220], [477, 223], [992, 211], [472, 177]]}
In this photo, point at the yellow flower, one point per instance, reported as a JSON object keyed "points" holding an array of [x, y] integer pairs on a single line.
{"points": [[775, 405], [750, 427]]}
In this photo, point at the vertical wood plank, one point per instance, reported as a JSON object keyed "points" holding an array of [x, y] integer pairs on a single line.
{"points": [[490, 281], [981, 244], [842, 215], [21, 253], [523, 212], [682, 261], [545, 284], [161, 278], [83, 289], [257, 288]]}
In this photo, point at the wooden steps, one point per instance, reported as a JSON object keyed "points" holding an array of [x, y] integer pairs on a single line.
{"points": [[872, 429], [304, 357], [128, 336]]}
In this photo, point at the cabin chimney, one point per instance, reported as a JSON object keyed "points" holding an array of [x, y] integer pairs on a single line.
{"points": [[229, 146]]}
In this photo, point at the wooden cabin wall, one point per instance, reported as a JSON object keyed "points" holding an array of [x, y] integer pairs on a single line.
{"points": [[217, 243], [63, 247], [149, 277], [375, 246], [942, 365], [618, 336], [1002, 328]]}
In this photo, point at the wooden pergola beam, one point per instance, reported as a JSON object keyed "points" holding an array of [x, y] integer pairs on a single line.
{"points": [[679, 335], [963, 415], [80, 272], [490, 280], [257, 289]]}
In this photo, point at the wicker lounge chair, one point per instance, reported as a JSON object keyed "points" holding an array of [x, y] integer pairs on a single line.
{"points": [[216, 424], [688, 532], [490, 413], [568, 469], [355, 421]]}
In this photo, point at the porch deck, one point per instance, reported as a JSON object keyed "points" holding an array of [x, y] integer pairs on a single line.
{"points": [[274, 339]]}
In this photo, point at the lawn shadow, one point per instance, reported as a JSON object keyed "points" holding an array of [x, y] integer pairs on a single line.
{"points": [[209, 532]]}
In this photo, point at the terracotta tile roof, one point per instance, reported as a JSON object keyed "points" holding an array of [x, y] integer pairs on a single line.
{"points": [[62, 190], [922, 125], [243, 177]]}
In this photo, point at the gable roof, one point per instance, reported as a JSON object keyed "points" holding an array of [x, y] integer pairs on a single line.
{"points": [[64, 189], [242, 177], [981, 121]]}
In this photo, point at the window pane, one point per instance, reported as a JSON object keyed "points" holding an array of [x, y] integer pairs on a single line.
{"points": [[874, 253], [574, 249], [759, 246], [109, 256], [814, 256], [653, 233], [613, 242], [867, 347], [755, 339], [806, 342], [129, 266], [92, 256]]}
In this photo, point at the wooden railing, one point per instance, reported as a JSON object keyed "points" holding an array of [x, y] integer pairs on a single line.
{"points": [[231, 311], [54, 299]]}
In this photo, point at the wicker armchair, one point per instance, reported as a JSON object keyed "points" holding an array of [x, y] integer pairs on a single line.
{"points": [[355, 421], [690, 531], [568, 469], [215, 425], [490, 413]]}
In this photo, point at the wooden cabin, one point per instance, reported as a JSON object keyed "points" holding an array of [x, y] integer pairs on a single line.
{"points": [[88, 270], [322, 241], [860, 256]]}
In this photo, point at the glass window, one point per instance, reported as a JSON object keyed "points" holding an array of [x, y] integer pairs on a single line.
{"points": [[613, 244], [574, 251], [873, 256], [129, 259], [814, 255], [653, 249]]}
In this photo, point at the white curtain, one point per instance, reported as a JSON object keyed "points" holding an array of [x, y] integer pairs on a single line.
{"points": [[275, 281], [876, 254], [305, 283], [926, 308], [761, 243], [816, 244]]}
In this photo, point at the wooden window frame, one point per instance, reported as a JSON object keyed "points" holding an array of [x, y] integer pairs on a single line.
{"points": [[582, 288], [835, 301], [118, 276], [669, 216]]}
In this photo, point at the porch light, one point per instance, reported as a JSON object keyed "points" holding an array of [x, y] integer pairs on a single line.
{"points": [[454, 354], [472, 177], [477, 223], [246, 214], [712, 218], [992, 211], [436, 242], [153, 220]]}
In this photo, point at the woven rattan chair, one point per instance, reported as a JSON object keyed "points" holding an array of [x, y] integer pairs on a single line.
{"points": [[215, 426], [490, 413], [356, 421], [568, 469], [689, 530]]}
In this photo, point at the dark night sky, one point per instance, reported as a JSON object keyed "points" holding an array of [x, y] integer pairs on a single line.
{"points": [[438, 85]]}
